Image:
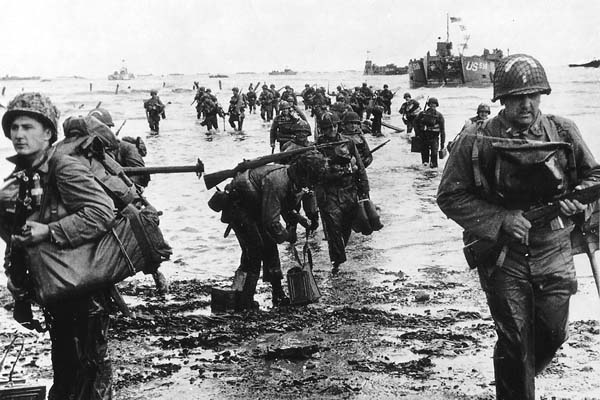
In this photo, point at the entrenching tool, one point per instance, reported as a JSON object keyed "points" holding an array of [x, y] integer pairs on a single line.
{"points": [[301, 281]]}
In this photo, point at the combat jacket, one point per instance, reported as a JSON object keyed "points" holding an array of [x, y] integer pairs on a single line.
{"points": [[461, 194], [344, 165], [265, 98], [128, 155], [268, 194], [362, 146], [410, 109], [387, 95], [154, 107], [282, 128], [430, 124]]}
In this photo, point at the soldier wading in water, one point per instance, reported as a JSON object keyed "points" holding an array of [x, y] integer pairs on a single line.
{"points": [[490, 179]]}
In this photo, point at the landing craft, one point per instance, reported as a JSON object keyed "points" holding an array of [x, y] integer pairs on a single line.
{"points": [[446, 69]]}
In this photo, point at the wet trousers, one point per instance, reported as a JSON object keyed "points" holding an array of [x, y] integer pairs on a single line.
{"points": [[338, 209], [266, 112], [258, 248], [211, 121], [409, 124], [153, 122], [429, 151], [80, 361], [528, 298], [239, 118], [376, 127]]}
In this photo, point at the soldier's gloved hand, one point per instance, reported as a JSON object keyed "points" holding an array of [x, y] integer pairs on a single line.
{"points": [[516, 225]]}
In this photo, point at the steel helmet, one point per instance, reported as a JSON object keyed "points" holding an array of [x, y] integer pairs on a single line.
{"points": [[102, 115], [153, 91], [351, 116], [385, 86], [519, 74], [284, 105], [34, 105], [235, 89], [301, 126], [483, 107], [90, 125], [265, 87], [433, 101], [406, 95], [329, 120]]}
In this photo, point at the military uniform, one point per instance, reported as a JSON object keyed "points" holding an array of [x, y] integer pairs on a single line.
{"points": [[266, 105], [528, 278], [409, 110], [387, 96], [282, 129], [83, 212], [237, 105], [251, 96], [337, 197], [155, 109], [430, 127]]}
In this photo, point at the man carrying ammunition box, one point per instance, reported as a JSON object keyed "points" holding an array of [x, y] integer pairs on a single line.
{"points": [[259, 198], [498, 170]]}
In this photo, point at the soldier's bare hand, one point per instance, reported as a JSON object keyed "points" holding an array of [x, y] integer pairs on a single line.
{"points": [[570, 207], [32, 233], [516, 225]]}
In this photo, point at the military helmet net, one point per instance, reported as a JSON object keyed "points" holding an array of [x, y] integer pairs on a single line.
{"points": [[433, 101], [301, 126], [329, 120], [350, 116], [102, 115], [284, 105], [407, 95], [519, 74], [35, 105], [309, 168]]}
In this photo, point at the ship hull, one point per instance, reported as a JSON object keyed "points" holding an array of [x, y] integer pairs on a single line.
{"points": [[455, 71]]}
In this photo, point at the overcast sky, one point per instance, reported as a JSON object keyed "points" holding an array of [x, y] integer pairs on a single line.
{"points": [[90, 38]]}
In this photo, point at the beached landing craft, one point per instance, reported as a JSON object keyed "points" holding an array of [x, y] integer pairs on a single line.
{"points": [[388, 69], [446, 69]]}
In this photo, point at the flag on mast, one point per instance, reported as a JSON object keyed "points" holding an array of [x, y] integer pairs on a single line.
{"points": [[455, 19]]}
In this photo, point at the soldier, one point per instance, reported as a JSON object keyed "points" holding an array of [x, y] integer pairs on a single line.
{"points": [[289, 95], [260, 197], [251, 96], [237, 105], [307, 95], [357, 102], [483, 112], [266, 104], [128, 152], [198, 98], [212, 111], [377, 107], [387, 96], [276, 97], [155, 109], [351, 130], [282, 126], [344, 184], [430, 127], [409, 110], [83, 213], [527, 273]]}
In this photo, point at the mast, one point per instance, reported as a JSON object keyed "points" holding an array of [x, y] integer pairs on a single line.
{"points": [[447, 28]]}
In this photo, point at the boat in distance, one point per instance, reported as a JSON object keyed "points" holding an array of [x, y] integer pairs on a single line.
{"points": [[591, 64], [286, 71], [121, 75]]}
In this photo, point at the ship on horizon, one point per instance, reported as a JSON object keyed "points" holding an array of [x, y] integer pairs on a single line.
{"points": [[286, 71], [121, 75], [446, 69], [591, 64]]}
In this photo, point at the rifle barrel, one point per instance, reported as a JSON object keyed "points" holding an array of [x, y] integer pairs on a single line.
{"points": [[380, 146], [133, 171]]}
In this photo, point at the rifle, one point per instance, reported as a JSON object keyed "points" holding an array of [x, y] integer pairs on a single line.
{"points": [[121, 127], [380, 146], [198, 169], [15, 260], [212, 180], [546, 213]]}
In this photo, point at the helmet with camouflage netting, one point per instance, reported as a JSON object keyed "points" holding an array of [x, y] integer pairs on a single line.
{"points": [[34, 105], [519, 74]]}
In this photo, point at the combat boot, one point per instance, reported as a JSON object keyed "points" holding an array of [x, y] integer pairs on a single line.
{"points": [[245, 298], [280, 299]]}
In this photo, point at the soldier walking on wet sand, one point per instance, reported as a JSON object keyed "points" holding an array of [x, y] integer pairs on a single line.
{"points": [[491, 178]]}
